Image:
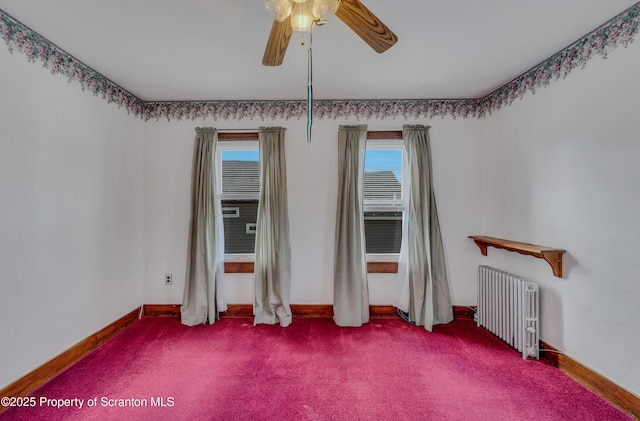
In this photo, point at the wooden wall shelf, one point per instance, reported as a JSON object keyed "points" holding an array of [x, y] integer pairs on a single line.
{"points": [[553, 256]]}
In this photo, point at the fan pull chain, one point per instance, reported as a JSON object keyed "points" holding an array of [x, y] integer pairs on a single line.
{"points": [[309, 87]]}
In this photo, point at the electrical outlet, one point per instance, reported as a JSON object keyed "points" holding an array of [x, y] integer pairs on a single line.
{"points": [[168, 279]]}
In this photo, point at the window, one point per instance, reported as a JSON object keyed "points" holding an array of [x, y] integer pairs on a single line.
{"points": [[384, 195], [239, 175]]}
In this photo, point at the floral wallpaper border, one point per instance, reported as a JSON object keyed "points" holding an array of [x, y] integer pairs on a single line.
{"points": [[322, 109], [617, 32], [23, 39]]}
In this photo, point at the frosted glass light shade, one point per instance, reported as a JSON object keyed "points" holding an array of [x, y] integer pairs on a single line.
{"points": [[322, 9], [302, 16], [279, 9]]}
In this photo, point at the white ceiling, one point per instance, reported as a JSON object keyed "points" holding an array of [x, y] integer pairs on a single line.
{"points": [[212, 49]]}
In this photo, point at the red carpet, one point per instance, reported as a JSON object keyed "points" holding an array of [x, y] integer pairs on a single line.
{"points": [[311, 370]]}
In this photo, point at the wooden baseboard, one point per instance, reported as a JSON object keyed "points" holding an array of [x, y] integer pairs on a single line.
{"points": [[161, 310], [307, 310], [53, 367], [298, 310], [597, 383], [464, 313], [238, 310]]}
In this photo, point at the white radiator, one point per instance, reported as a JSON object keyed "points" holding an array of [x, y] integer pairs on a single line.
{"points": [[508, 307]]}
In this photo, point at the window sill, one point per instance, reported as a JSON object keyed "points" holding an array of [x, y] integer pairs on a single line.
{"points": [[382, 267], [235, 266]]}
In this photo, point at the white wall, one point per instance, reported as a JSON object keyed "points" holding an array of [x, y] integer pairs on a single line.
{"points": [[312, 193], [71, 194], [560, 168]]}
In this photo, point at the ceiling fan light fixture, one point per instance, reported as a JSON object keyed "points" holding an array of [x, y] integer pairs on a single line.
{"points": [[279, 9], [303, 14]]}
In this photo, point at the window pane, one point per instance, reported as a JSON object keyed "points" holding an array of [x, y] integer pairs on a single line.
{"points": [[240, 175], [383, 232], [236, 238], [240, 172], [382, 175], [383, 204]]}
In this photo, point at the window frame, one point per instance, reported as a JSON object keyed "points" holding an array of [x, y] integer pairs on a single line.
{"points": [[392, 142], [235, 145]]}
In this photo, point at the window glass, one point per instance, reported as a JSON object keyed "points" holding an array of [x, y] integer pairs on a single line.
{"points": [[383, 196], [240, 187]]}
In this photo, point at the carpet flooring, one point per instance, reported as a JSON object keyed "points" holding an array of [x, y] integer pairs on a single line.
{"points": [[158, 369]]}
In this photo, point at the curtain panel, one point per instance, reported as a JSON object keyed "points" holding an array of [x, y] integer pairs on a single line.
{"points": [[429, 301], [351, 288], [203, 298], [273, 252]]}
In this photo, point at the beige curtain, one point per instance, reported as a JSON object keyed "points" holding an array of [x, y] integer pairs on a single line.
{"points": [[429, 299], [273, 253], [203, 298], [350, 288]]}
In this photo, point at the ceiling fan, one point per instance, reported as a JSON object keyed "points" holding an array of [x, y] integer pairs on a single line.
{"points": [[301, 15]]}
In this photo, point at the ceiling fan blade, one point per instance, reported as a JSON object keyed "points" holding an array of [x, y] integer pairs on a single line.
{"points": [[277, 43], [366, 25]]}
